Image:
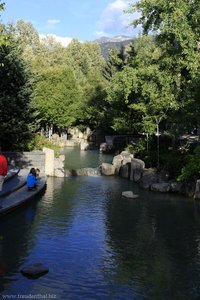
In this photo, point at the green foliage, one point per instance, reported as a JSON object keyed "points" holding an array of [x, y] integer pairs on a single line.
{"points": [[15, 98], [38, 142], [3, 38], [138, 147], [176, 25], [191, 170], [143, 90], [57, 96], [176, 29]]}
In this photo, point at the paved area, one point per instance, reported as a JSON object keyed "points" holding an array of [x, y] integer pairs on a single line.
{"points": [[15, 192], [11, 185]]}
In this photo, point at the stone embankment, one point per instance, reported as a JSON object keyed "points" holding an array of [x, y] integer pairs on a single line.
{"points": [[126, 166], [87, 139]]}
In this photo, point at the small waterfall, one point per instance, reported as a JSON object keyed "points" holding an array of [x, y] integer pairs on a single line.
{"points": [[84, 172]]}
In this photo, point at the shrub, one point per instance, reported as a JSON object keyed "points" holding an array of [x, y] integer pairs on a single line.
{"points": [[191, 169], [39, 142]]}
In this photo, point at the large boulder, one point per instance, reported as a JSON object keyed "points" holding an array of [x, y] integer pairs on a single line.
{"points": [[84, 145], [137, 168], [176, 186], [106, 148], [117, 163], [149, 177], [126, 157], [59, 172], [107, 169], [163, 187], [124, 171], [123, 159]]}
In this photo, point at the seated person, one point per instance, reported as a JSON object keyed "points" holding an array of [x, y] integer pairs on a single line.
{"points": [[37, 170], [31, 180]]}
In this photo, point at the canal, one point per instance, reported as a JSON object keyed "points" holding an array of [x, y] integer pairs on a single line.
{"points": [[98, 245]]}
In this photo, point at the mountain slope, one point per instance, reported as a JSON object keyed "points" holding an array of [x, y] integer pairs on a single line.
{"points": [[107, 43]]}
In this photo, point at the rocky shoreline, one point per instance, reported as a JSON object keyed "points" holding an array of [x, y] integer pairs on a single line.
{"points": [[126, 166]]}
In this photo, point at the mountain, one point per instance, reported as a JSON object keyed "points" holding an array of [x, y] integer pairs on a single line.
{"points": [[107, 43]]}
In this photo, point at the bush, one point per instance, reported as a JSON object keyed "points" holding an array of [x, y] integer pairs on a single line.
{"points": [[39, 142], [192, 168]]}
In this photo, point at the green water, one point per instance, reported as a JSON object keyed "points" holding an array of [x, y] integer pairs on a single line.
{"points": [[76, 159]]}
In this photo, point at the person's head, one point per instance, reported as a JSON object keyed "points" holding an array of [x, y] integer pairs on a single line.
{"points": [[32, 171], [37, 171]]}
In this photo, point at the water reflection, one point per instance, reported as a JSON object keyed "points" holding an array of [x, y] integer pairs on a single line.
{"points": [[156, 246], [16, 240], [99, 246]]}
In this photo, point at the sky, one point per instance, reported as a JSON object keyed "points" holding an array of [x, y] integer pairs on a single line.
{"points": [[85, 20]]}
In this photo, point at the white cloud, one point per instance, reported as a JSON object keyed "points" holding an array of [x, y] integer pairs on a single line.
{"points": [[64, 41], [99, 34], [114, 21], [51, 24]]}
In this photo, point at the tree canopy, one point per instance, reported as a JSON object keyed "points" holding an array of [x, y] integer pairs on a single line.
{"points": [[152, 82]]}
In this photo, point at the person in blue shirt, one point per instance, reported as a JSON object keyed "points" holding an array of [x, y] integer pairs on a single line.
{"points": [[31, 180]]}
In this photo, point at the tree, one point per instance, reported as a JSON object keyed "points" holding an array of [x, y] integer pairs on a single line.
{"points": [[15, 98], [114, 63], [2, 35], [176, 28], [143, 87], [57, 96]]}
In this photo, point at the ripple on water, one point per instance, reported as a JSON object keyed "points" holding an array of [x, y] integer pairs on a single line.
{"points": [[98, 246]]}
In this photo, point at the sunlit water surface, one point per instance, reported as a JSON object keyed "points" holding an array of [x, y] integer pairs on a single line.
{"points": [[98, 245]]}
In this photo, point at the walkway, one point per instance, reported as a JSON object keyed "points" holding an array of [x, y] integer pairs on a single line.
{"points": [[15, 192]]}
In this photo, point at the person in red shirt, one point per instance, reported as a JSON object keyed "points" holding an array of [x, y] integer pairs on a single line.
{"points": [[3, 169]]}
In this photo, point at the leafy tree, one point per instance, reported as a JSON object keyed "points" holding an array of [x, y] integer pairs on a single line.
{"points": [[176, 25], [114, 63], [15, 98], [57, 96], [191, 170], [25, 34], [3, 38], [143, 90]]}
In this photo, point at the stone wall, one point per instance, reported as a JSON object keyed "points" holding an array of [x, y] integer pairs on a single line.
{"points": [[27, 160]]}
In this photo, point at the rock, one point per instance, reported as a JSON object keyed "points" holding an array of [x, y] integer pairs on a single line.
{"points": [[124, 171], [188, 189], [71, 143], [105, 148], [60, 172], [176, 186], [137, 168], [163, 187], [107, 169], [149, 177], [129, 194], [117, 162], [197, 190], [84, 146], [88, 172], [126, 157], [35, 270], [122, 163]]}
